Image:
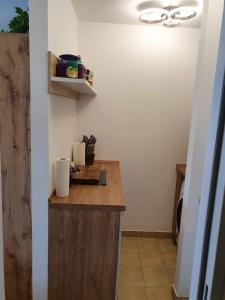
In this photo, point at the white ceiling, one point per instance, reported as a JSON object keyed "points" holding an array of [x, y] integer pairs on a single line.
{"points": [[126, 11]]}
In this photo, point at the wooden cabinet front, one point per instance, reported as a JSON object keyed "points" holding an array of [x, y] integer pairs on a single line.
{"points": [[83, 253]]}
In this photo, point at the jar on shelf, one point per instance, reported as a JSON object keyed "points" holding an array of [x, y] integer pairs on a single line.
{"points": [[72, 69], [71, 61], [61, 69], [82, 71]]}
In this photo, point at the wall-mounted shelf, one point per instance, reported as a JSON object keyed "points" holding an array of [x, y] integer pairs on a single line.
{"points": [[80, 86], [66, 87]]}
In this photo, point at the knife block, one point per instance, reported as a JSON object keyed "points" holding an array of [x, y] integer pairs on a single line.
{"points": [[89, 159]]}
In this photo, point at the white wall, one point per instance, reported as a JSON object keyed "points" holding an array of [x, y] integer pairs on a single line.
{"points": [[144, 77], [197, 143], [47, 111], [39, 146], [63, 38], [62, 27]]}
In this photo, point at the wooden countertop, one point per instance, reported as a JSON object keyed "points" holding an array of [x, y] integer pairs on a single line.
{"points": [[96, 197]]}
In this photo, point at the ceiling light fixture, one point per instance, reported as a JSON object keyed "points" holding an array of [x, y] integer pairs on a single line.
{"points": [[183, 13], [170, 23], [171, 16], [153, 16]]}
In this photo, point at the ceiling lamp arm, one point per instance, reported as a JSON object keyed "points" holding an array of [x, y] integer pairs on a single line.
{"points": [[183, 13], [153, 16]]}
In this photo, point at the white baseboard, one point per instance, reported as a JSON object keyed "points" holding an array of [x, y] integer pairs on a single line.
{"points": [[175, 296]]}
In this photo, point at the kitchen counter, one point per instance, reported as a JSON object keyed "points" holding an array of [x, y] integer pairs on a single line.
{"points": [[84, 235], [94, 196]]}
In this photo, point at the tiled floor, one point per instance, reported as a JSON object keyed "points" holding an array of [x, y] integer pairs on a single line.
{"points": [[146, 269]]}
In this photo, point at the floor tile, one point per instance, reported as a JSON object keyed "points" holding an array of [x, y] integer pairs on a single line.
{"points": [[148, 244], [130, 276], [130, 259], [156, 277], [129, 245], [152, 259], [159, 294], [172, 272], [170, 260], [132, 293], [167, 246]]}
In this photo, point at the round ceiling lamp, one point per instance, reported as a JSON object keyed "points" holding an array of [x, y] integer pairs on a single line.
{"points": [[183, 13], [170, 16], [153, 16]]}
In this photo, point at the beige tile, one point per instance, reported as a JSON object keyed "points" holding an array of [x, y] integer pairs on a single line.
{"points": [[129, 245], [148, 244], [172, 272], [152, 259], [131, 276], [156, 277], [170, 260], [167, 246], [132, 293], [130, 259], [159, 294]]}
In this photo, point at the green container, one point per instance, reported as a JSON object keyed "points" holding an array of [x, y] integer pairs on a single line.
{"points": [[72, 68]]}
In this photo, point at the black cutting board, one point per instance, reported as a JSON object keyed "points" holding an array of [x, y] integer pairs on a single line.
{"points": [[89, 176]]}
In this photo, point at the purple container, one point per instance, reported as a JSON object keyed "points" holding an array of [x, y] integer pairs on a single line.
{"points": [[82, 71], [61, 69]]}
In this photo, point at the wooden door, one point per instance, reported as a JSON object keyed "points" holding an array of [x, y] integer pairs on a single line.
{"points": [[15, 164]]}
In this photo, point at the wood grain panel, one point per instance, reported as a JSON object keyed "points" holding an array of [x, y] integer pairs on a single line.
{"points": [[15, 162], [83, 254], [63, 237]]}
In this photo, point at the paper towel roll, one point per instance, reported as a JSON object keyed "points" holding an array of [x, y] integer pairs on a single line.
{"points": [[79, 153], [62, 177]]}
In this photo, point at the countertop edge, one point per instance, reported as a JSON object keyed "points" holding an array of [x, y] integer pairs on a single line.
{"points": [[88, 206]]}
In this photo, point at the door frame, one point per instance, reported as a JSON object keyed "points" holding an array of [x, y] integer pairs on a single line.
{"points": [[207, 235], [214, 209]]}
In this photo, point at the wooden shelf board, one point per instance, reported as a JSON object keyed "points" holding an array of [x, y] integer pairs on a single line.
{"points": [[79, 86]]}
